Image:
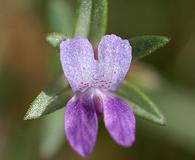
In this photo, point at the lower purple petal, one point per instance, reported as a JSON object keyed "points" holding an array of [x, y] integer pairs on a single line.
{"points": [[119, 120], [81, 124]]}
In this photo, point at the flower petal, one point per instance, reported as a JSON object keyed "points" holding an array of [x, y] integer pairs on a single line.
{"points": [[119, 120], [81, 124], [78, 63], [114, 55]]}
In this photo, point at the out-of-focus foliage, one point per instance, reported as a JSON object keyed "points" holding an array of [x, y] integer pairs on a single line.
{"points": [[59, 16], [177, 102], [52, 134]]}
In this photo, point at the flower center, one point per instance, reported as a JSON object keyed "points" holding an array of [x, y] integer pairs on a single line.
{"points": [[95, 50], [98, 105], [96, 97]]}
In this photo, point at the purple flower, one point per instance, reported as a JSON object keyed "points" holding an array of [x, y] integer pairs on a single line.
{"points": [[94, 80]]}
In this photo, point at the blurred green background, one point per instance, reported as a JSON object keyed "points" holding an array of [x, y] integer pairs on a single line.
{"points": [[28, 63]]}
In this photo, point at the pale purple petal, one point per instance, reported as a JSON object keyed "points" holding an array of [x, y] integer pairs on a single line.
{"points": [[81, 124], [119, 120], [114, 56], [78, 63]]}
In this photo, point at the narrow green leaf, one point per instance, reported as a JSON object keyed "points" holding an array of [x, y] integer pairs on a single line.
{"points": [[49, 100], [145, 45], [140, 103], [83, 18], [98, 20], [55, 38]]}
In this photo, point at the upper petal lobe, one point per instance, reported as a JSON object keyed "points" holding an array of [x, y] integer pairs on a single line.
{"points": [[78, 63], [114, 56]]}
